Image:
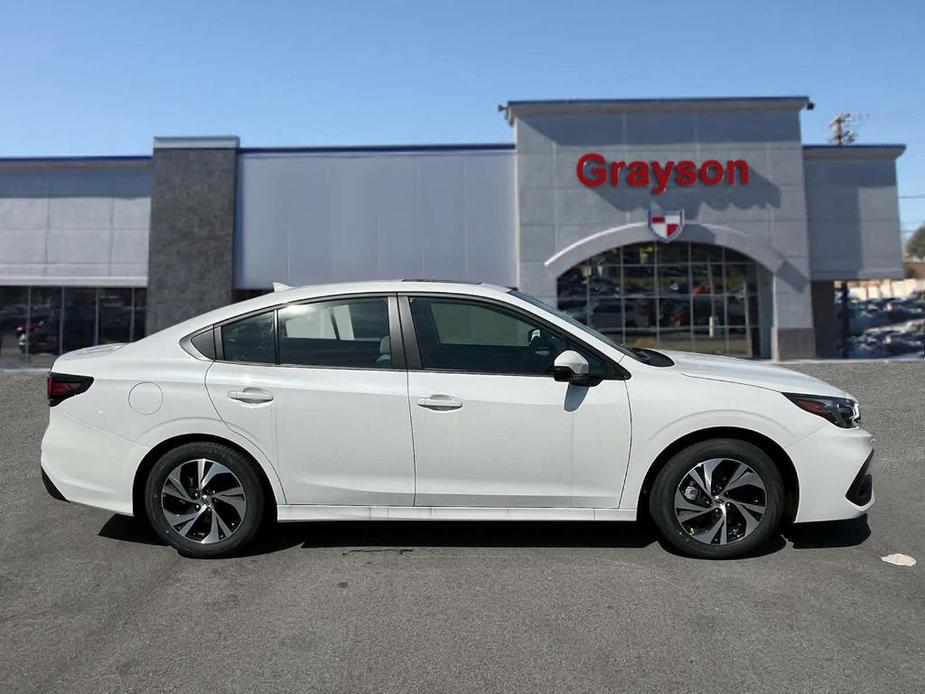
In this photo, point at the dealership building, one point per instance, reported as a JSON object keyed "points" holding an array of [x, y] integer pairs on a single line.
{"points": [[695, 224]]}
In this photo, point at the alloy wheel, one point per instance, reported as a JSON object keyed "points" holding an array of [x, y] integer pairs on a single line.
{"points": [[720, 501], [203, 501]]}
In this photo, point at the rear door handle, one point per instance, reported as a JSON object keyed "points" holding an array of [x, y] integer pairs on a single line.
{"points": [[440, 403], [251, 396]]}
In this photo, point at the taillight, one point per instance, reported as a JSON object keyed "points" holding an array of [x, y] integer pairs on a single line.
{"points": [[63, 386]]}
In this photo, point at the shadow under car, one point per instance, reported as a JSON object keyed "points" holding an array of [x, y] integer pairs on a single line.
{"points": [[398, 535]]}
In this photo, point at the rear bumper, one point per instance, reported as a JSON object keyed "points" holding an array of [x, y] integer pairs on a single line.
{"points": [[86, 465], [833, 468]]}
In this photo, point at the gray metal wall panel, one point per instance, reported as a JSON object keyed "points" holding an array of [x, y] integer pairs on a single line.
{"points": [[853, 212], [67, 223], [306, 218]]}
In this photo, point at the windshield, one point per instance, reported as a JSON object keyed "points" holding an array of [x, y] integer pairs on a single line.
{"points": [[572, 321]]}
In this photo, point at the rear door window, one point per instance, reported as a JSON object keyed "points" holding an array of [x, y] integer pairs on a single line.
{"points": [[340, 333]]}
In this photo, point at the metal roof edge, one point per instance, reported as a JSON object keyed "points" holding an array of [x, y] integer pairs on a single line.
{"points": [[78, 160], [380, 149], [871, 151], [198, 142], [719, 103]]}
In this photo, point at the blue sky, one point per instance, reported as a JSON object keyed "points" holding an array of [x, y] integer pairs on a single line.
{"points": [[105, 77]]}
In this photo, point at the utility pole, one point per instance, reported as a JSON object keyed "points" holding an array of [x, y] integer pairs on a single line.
{"points": [[845, 321], [842, 132]]}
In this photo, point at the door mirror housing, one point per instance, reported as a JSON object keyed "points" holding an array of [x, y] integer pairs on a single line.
{"points": [[571, 367]]}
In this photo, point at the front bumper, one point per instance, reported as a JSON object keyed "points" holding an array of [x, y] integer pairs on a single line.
{"points": [[833, 469], [861, 491], [50, 487]]}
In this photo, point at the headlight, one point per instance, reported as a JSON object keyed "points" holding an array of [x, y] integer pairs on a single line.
{"points": [[842, 412]]}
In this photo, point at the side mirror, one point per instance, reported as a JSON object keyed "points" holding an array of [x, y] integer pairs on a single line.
{"points": [[571, 367]]}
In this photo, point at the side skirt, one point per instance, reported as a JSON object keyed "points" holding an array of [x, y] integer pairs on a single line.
{"points": [[310, 512]]}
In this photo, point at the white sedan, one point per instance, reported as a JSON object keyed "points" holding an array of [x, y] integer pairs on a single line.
{"points": [[416, 400]]}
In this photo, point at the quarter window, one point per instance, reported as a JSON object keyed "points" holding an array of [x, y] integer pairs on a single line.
{"points": [[459, 335], [250, 340], [344, 333]]}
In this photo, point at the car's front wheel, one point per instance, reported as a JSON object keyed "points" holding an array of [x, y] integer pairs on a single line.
{"points": [[205, 499], [717, 499]]}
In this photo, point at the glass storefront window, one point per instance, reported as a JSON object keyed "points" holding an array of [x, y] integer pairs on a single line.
{"points": [[607, 314], [674, 313], [677, 295], [673, 279], [638, 280], [139, 312], [740, 341], [115, 318], [674, 253], [639, 254], [41, 341], [736, 277], [731, 256], [736, 308], [710, 341], [79, 329], [39, 323], [572, 284], [613, 256], [703, 253], [679, 340], [640, 338], [707, 279], [640, 313], [606, 278], [708, 310], [14, 312]]}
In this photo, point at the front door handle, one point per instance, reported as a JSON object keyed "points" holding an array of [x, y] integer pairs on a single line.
{"points": [[440, 403], [251, 396]]}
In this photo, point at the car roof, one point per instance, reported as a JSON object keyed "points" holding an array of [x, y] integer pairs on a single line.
{"points": [[393, 286]]}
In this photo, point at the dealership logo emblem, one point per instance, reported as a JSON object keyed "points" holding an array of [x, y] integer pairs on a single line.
{"points": [[667, 225]]}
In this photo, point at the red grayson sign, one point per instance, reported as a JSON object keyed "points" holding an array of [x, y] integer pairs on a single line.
{"points": [[593, 171]]}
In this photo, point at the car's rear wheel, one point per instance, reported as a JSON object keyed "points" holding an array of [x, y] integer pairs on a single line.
{"points": [[718, 499], [205, 499]]}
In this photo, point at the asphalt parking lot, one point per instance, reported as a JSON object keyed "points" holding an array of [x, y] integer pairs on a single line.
{"points": [[91, 602]]}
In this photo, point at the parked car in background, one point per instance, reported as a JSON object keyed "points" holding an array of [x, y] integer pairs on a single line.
{"points": [[883, 327]]}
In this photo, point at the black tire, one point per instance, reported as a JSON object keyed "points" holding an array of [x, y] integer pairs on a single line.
{"points": [[662, 500], [247, 476]]}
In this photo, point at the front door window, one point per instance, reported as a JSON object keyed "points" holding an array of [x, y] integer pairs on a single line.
{"points": [[476, 337]]}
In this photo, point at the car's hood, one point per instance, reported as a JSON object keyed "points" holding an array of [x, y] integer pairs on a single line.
{"points": [[750, 373]]}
